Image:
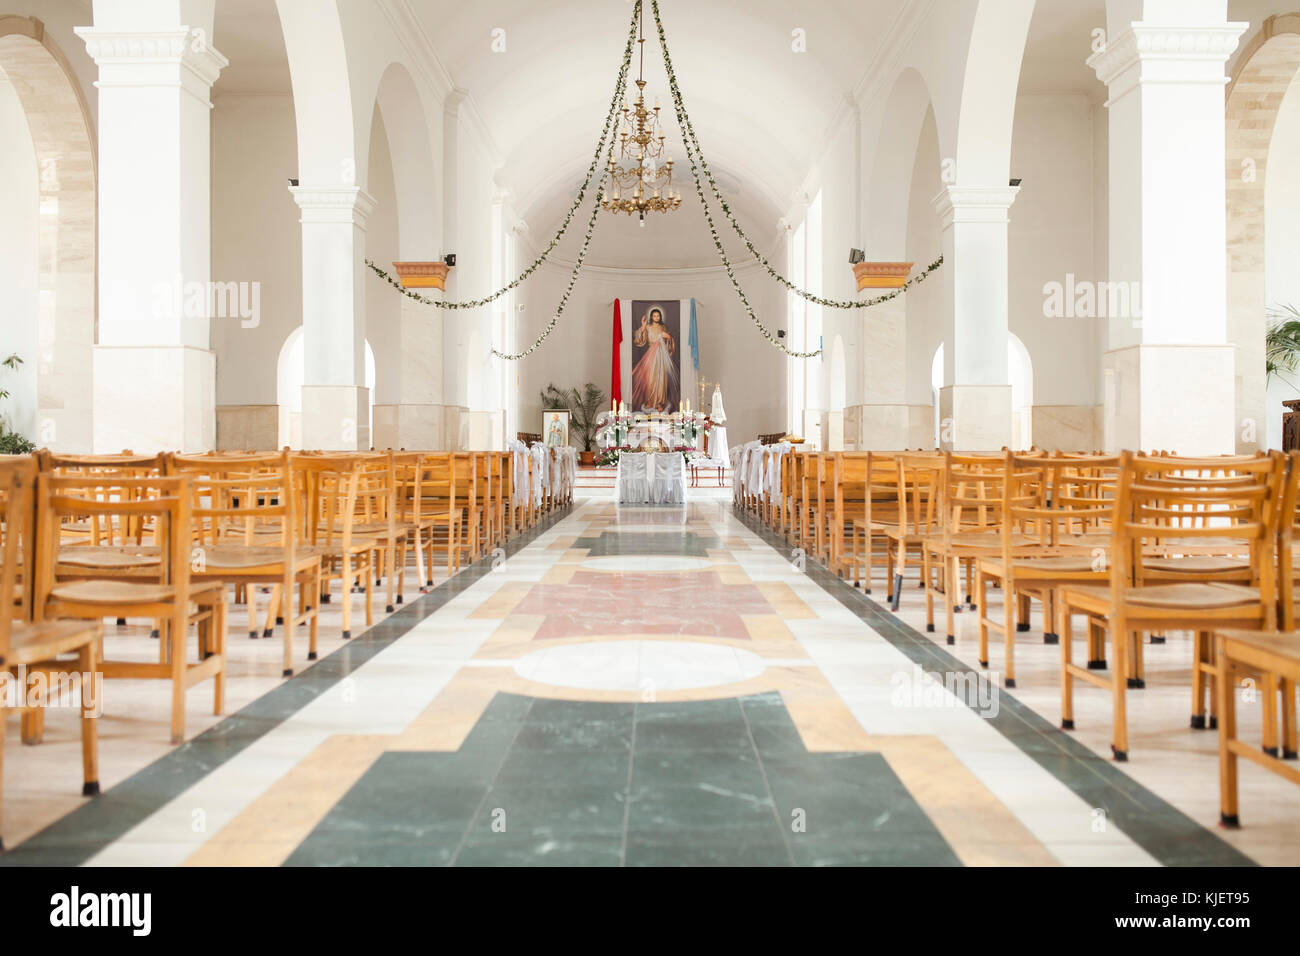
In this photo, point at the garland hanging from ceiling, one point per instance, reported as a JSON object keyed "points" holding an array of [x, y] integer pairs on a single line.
{"points": [[695, 156]]}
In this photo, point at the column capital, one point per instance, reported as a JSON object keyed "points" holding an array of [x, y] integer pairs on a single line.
{"points": [[334, 204], [986, 204], [179, 56], [1166, 54]]}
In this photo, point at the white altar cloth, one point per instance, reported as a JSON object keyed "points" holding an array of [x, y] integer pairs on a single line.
{"points": [[650, 479]]}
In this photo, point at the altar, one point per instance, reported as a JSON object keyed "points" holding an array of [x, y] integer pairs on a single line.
{"points": [[650, 478]]}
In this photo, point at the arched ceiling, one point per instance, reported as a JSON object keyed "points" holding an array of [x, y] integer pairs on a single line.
{"points": [[760, 109]]}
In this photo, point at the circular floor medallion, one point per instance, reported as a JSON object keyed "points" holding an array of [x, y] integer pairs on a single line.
{"points": [[659, 666]]}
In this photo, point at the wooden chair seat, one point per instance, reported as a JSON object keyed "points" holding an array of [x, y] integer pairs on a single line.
{"points": [[1189, 597], [1197, 545], [100, 592], [976, 543], [251, 558], [1053, 566], [109, 558], [1198, 564], [31, 643]]}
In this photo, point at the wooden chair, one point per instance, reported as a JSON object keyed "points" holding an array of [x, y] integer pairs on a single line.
{"points": [[1275, 657], [920, 477], [1060, 503], [1158, 499], [330, 488], [970, 507], [442, 503], [27, 647], [880, 512], [852, 492], [246, 532], [162, 592]]}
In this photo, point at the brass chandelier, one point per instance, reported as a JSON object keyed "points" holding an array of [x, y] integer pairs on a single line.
{"points": [[642, 177]]}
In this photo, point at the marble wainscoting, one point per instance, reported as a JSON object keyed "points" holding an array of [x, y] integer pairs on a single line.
{"points": [[149, 398], [431, 427], [1067, 427], [1171, 398], [248, 427], [975, 417], [880, 427]]}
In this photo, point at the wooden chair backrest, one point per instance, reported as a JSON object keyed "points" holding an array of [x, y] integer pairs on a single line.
{"points": [[329, 486], [161, 501], [974, 488], [17, 513], [920, 480], [240, 498], [1082, 494], [1234, 499], [102, 530]]}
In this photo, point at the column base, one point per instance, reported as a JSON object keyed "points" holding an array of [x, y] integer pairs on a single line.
{"points": [[485, 430], [974, 418], [1176, 398], [888, 427], [418, 427], [154, 398], [1067, 427], [248, 427], [335, 418]]}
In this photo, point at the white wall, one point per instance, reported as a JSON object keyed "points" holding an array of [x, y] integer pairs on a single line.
{"points": [[732, 351], [383, 304], [19, 247], [1050, 236], [256, 237]]}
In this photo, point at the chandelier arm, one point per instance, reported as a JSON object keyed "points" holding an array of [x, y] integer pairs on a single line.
{"points": [[620, 88], [689, 138]]}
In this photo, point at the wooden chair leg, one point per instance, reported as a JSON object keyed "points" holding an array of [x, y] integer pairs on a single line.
{"points": [[1119, 636], [1065, 635], [1289, 732], [981, 595], [345, 581], [176, 632], [1199, 660], [951, 585], [1268, 690], [218, 648], [1009, 624], [3, 711], [1227, 708]]}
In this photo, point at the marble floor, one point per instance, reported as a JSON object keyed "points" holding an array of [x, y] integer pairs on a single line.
{"points": [[643, 686]]}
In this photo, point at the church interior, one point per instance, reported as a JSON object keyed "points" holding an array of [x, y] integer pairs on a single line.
{"points": [[368, 496]]}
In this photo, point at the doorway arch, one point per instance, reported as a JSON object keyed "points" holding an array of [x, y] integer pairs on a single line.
{"points": [[56, 324], [290, 372]]}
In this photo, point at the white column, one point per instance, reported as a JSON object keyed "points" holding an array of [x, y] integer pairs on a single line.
{"points": [[1168, 372], [154, 374], [335, 400], [975, 401]]}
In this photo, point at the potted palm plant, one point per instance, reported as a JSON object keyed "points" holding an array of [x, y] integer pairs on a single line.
{"points": [[1282, 341], [12, 442], [585, 406]]}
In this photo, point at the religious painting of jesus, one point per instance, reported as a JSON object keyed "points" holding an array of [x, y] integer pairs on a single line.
{"points": [[656, 356]]}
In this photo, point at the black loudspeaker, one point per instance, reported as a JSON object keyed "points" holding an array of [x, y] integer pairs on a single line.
{"points": [[450, 259]]}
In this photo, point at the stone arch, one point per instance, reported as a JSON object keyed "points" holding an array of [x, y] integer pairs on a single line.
{"points": [[1260, 78], [62, 135]]}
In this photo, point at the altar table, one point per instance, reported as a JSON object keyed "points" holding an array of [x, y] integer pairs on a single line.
{"points": [[646, 478]]}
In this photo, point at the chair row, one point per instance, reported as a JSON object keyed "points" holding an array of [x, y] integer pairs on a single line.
{"points": [[1131, 545], [169, 538]]}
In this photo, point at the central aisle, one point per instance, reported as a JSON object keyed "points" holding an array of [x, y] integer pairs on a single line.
{"points": [[631, 686]]}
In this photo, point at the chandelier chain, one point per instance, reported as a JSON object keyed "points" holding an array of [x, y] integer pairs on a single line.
{"points": [[607, 133], [690, 139]]}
